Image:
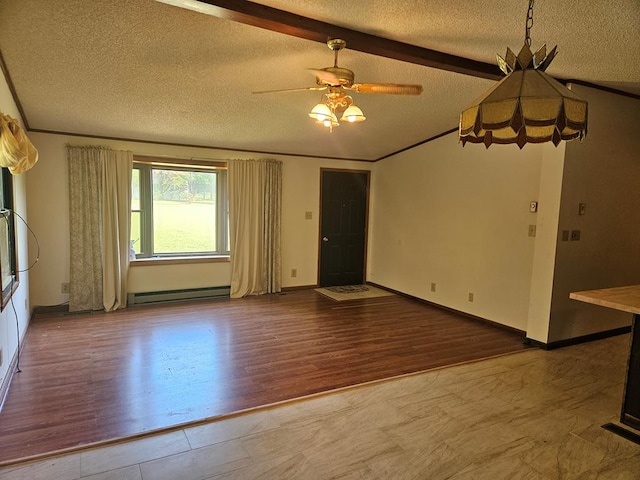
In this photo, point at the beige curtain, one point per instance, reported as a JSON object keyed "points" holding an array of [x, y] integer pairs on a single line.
{"points": [[99, 210], [116, 226], [255, 204], [85, 207]]}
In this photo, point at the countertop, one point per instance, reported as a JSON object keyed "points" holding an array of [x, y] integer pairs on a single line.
{"points": [[626, 299]]}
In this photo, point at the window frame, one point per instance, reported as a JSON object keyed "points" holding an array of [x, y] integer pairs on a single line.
{"points": [[6, 203], [145, 167]]}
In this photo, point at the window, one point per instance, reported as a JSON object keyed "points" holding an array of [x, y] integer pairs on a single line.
{"points": [[179, 209], [8, 270]]}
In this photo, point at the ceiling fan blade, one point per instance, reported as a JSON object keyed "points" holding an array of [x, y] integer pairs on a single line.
{"points": [[303, 89], [325, 76], [387, 88]]}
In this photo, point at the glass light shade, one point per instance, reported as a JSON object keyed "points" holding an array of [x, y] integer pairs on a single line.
{"points": [[330, 122], [321, 112], [353, 114], [527, 106]]}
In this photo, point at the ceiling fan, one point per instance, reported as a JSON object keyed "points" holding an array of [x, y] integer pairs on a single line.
{"points": [[338, 81]]}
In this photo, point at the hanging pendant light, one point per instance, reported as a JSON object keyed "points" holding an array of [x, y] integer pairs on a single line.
{"points": [[527, 106]]}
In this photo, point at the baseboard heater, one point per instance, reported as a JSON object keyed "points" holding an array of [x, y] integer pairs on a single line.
{"points": [[173, 295]]}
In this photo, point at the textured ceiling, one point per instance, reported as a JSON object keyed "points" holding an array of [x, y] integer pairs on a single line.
{"points": [[145, 70]]}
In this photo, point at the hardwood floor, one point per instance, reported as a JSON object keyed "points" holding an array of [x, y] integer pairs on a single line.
{"points": [[94, 377]]}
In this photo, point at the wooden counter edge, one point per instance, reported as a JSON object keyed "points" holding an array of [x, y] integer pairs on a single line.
{"points": [[625, 299]]}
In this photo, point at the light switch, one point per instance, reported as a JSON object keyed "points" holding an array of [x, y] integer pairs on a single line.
{"points": [[533, 207]]}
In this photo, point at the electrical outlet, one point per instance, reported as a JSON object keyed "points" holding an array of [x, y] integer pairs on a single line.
{"points": [[308, 215], [470, 297], [565, 235], [582, 208], [532, 230], [575, 235], [64, 288], [294, 272], [433, 287]]}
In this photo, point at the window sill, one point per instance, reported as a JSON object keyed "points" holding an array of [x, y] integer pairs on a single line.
{"points": [[147, 262]]}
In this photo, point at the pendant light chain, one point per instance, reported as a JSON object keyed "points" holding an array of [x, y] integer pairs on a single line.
{"points": [[529, 24]]}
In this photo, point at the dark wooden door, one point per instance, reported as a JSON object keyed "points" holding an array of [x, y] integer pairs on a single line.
{"points": [[343, 225]]}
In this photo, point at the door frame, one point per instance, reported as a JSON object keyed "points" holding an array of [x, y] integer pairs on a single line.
{"points": [[366, 220]]}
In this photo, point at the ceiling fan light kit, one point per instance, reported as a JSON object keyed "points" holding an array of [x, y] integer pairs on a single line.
{"points": [[527, 106], [333, 103], [338, 82]]}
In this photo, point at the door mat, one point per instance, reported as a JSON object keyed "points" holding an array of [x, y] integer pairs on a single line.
{"points": [[353, 292]]}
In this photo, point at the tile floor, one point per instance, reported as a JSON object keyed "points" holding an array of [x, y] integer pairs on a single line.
{"points": [[530, 415]]}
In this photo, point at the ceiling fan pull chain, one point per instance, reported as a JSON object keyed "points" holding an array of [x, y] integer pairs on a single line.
{"points": [[529, 24]]}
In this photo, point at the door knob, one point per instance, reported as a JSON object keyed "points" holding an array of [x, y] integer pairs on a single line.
{"points": [[325, 239]]}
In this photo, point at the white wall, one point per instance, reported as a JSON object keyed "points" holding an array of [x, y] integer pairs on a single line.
{"points": [[546, 242], [457, 217], [49, 217], [9, 324], [604, 172]]}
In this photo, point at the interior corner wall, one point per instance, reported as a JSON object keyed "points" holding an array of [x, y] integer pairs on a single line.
{"points": [[546, 241], [49, 217], [13, 323], [604, 173], [457, 218]]}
